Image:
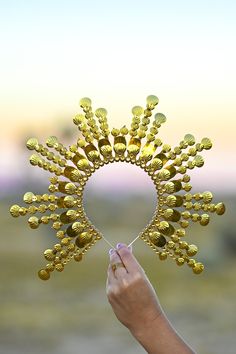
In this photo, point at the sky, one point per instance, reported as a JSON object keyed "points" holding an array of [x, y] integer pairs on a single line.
{"points": [[117, 53]]}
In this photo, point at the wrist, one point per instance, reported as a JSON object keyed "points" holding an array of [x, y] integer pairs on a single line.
{"points": [[145, 330], [159, 337]]}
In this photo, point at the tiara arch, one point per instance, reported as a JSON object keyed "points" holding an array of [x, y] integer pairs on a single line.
{"points": [[139, 145]]}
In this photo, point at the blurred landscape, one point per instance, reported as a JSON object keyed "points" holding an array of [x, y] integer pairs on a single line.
{"points": [[70, 313]]}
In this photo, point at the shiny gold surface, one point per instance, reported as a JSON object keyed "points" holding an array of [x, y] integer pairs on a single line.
{"points": [[99, 145]]}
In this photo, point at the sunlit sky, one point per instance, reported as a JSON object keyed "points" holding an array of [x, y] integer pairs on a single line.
{"points": [[117, 53]]}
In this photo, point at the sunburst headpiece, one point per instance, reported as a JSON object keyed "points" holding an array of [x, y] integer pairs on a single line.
{"points": [[140, 146]]}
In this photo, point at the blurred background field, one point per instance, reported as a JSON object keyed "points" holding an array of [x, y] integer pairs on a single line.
{"points": [[70, 313], [117, 53]]}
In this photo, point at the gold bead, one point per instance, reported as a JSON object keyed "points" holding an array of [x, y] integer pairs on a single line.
{"points": [[188, 205], [137, 111], [119, 148], [78, 257], [186, 214], [172, 215], [195, 217], [205, 218], [35, 160], [32, 143], [68, 216], [33, 222], [207, 144], [115, 132], [178, 251], [192, 151], [162, 256], [29, 197], [211, 207], [32, 210], [186, 178], [71, 247], [192, 250], [101, 113], [187, 187], [175, 238], [60, 234], [59, 267], [182, 169], [152, 101], [220, 208], [183, 245], [83, 239], [197, 206], [69, 201], [52, 141], [134, 146], [124, 130], [15, 210], [170, 244], [199, 161], [81, 143], [179, 261], [157, 142], [57, 247], [65, 241], [157, 239], [85, 102], [164, 174], [153, 130], [70, 188], [180, 232], [141, 134], [207, 197], [156, 164], [184, 223], [49, 255], [160, 118], [198, 268], [78, 119], [189, 139], [63, 254], [56, 225], [50, 267], [43, 274], [191, 262]]}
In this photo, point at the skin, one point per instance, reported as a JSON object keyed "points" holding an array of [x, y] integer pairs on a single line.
{"points": [[135, 304]]}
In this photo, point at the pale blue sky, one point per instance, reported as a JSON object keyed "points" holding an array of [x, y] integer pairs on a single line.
{"points": [[118, 52]]}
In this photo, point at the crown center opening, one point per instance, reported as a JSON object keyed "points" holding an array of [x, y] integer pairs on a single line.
{"points": [[120, 200]]}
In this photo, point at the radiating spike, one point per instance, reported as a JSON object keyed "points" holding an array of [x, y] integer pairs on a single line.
{"points": [[101, 114], [120, 145]]}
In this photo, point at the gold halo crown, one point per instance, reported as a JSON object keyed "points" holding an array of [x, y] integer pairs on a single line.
{"points": [[138, 145]]}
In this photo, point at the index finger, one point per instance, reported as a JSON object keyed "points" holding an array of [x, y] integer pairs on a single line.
{"points": [[130, 262]]}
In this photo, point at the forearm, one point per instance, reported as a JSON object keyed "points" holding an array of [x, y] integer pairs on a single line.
{"points": [[136, 305], [159, 337]]}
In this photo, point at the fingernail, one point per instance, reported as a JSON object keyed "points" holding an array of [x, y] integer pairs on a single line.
{"points": [[120, 245], [111, 251], [130, 248]]}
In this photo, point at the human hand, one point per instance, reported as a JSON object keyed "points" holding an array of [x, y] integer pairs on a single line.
{"points": [[129, 291], [136, 305]]}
